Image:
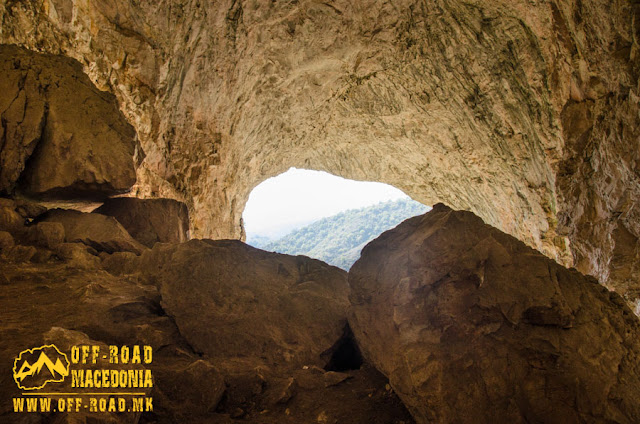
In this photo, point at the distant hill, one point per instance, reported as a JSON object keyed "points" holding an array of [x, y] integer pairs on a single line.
{"points": [[339, 239], [258, 241]]}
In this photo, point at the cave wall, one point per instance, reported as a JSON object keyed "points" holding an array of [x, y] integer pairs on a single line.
{"points": [[525, 112]]}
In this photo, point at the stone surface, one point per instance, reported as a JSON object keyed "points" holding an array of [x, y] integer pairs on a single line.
{"points": [[470, 325], [18, 254], [119, 263], [6, 202], [184, 388], [103, 233], [61, 136], [47, 234], [231, 300], [28, 209], [523, 112], [78, 255], [150, 220], [70, 304], [11, 221], [6, 240], [43, 255]]}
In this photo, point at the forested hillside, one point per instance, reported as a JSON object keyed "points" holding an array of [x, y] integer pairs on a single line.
{"points": [[339, 239]]}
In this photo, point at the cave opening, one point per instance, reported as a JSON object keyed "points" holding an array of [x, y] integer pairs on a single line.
{"points": [[323, 216], [345, 354]]}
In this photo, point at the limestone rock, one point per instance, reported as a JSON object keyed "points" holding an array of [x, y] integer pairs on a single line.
{"points": [[7, 203], [118, 263], [64, 339], [62, 137], [11, 221], [78, 255], [6, 240], [18, 254], [285, 391], [470, 325], [150, 220], [333, 378], [43, 256], [47, 234], [103, 233], [231, 300], [524, 112], [28, 209], [69, 305], [195, 388]]}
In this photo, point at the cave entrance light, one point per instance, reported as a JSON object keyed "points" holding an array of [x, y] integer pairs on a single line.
{"points": [[320, 215]]}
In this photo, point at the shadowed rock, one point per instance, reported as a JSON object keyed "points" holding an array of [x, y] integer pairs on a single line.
{"points": [[231, 300], [472, 326], [230, 327], [150, 220], [103, 233], [61, 136]]}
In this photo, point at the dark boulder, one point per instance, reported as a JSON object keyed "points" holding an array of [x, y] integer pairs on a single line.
{"points": [[101, 232], [230, 300], [150, 220], [61, 137], [472, 326]]}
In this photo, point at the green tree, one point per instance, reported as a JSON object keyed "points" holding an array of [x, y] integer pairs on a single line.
{"points": [[339, 239]]}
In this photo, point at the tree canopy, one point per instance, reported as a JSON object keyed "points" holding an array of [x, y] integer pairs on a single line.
{"points": [[339, 239]]}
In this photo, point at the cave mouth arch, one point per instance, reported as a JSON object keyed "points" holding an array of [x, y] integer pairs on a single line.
{"points": [[323, 216]]}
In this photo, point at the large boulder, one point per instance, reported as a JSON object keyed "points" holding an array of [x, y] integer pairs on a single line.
{"points": [[269, 308], [230, 300], [150, 220], [101, 232], [6, 240], [472, 326], [11, 221], [61, 136]]}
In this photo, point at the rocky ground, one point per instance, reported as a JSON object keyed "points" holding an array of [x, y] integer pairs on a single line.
{"points": [[524, 113], [451, 318], [238, 334]]}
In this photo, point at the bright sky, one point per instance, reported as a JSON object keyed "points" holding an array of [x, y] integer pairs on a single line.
{"points": [[299, 197]]}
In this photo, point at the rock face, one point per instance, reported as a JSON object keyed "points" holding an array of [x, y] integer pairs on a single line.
{"points": [[68, 306], [522, 112], [61, 136], [150, 220], [231, 300], [101, 232], [470, 325], [237, 334], [48, 234]]}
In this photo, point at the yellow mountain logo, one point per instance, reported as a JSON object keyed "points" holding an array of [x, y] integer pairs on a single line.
{"points": [[36, 367]]}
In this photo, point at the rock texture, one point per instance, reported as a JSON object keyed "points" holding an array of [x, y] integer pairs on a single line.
{"points": [[67, 305], [523, 112], [101, 232], [60, 136], [238, 335], [470, 325], [257, 306], [150, 220]]}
